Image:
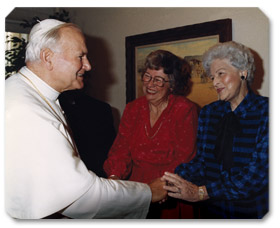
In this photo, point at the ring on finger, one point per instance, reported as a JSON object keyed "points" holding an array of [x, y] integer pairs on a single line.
{"points": [[179, 191]]}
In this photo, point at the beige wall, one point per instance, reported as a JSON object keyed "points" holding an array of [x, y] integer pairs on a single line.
{"points": [[108, 27]]}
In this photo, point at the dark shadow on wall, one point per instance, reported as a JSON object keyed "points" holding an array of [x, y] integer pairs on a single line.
{"points": [[99, 80], [259, 73]]}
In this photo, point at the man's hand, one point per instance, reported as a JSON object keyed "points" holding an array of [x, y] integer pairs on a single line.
{"points": [[158, 193], [113, 177]]}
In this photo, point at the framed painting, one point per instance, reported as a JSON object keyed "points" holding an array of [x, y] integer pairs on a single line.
{"points": [[188, 42]]}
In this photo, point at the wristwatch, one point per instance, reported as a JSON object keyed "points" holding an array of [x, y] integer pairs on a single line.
{"points": [[201, 193]]}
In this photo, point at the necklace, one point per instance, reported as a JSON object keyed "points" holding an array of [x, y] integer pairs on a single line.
{"points": [[66, 128], [146, 131], [151, 137]]}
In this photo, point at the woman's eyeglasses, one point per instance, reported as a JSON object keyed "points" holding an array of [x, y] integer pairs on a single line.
{"points": [[157, 80]]}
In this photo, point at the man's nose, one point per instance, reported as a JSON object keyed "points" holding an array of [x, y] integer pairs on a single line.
{"points": [[86, 65]]}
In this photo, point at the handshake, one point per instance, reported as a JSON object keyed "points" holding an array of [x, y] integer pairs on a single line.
{"points": [[172, 185]]}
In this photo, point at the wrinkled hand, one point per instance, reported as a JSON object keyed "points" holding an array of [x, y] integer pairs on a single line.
{"points": [[159, 194], [180, 188]]}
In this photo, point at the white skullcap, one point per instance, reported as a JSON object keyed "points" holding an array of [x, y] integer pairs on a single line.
{"points": [[37, 38], [44, 26]]}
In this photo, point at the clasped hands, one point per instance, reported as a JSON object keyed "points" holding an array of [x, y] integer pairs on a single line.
{"points": [[176, 187], [172, 185]]}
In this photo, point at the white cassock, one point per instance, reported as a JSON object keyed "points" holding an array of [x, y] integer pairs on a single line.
{"points": [[42, 173]]}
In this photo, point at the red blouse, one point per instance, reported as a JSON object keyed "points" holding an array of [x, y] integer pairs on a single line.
{"points": [[145, 152]]}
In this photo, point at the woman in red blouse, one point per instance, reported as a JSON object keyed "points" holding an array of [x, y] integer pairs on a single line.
{"points": [[157, 131]]}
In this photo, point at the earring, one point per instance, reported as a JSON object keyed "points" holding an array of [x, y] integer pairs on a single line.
{"points": [[242, 77]]}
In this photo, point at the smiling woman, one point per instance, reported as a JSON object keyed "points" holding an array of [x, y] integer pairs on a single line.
{"points": [[231, 67], [229, 82], [158, 130], [230, 170], [156, 91]]}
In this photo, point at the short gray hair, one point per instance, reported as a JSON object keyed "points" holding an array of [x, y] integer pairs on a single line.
{"points": [[239, 56], [44, 34], [177, 69]]}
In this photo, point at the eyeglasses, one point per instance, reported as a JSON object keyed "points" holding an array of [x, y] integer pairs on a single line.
{"points": [[157, 80]]}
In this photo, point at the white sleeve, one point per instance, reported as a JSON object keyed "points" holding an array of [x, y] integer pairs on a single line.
{"points": [[43, 175], [112, 199]]}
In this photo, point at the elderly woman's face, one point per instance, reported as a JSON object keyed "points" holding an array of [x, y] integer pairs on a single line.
{"points": [[152, 91], [226, 80]]}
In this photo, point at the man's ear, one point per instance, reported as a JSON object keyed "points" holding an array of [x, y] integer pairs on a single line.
{"points": [[46, 56]]}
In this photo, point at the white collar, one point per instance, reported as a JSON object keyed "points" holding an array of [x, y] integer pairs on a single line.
{"points": [[43, 87]]}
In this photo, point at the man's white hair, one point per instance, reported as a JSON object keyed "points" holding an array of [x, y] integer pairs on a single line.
{"points": [[42, 35]]}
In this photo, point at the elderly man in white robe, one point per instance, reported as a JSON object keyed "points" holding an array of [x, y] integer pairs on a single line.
{"points": [[44, 174]]}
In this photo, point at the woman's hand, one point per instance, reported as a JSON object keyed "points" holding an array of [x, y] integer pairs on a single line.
{"points": [[180, 188]]}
